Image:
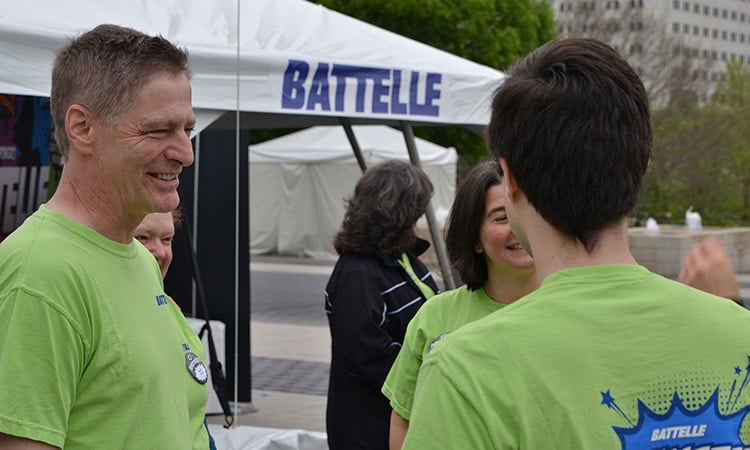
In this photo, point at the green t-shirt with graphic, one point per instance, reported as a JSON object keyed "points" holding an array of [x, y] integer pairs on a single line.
{"points": [[602, 357]]}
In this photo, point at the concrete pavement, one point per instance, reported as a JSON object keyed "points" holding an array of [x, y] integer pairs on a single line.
{"points": [[290, 345]]}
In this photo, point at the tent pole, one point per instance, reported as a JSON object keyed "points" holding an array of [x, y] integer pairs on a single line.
{"points": [[353, 142], [437, 239]]}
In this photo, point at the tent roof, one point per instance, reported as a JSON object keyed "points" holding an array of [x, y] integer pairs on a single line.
{"points": [[329, 144], [299, 64]]}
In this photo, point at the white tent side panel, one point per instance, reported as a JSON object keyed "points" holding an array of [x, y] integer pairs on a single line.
{"points": [[296, 208]]}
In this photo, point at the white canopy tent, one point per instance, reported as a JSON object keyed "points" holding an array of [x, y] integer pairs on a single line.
{"points": [[275, 63], [266, 64], [284, 63], [314, 170]]}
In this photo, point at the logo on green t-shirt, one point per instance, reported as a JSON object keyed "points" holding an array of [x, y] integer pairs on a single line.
{"points": [[715, 425]]}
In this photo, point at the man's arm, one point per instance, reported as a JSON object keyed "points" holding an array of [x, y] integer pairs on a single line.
{"points": [[708, 268], [8, 442], [443, 417]]}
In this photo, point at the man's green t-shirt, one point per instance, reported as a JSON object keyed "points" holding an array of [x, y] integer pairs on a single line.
{"points": [[93, 354], [602, 357]]}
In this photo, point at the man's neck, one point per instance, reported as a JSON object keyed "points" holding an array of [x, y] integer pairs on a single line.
{"points": [[554, 252], [87, 207]]}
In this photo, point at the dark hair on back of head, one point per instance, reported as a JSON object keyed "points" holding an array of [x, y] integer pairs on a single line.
{"points": [[387, 201], [572, 123]]}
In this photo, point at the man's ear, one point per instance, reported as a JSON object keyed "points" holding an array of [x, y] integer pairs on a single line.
{"points": [[512, 190], [79, 122]]}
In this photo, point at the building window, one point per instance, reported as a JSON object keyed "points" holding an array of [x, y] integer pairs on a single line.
{"points": [[706, 10], [734, 15], [686, 6], [676, 4], [742, 17], [686, 29], [724, 13], [675, 27], [705, 32], [715, 33], [716, 12], [696, 30], [733, 36], [724, 35], [742, 38]]}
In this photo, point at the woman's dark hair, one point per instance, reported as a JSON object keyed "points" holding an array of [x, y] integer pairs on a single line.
{"points": [[465, 221], [387, 201]]}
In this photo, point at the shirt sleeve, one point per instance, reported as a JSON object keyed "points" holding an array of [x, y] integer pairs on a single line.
{"points": [[401, 382], [40, 360], [359, 338], [442, 416]]}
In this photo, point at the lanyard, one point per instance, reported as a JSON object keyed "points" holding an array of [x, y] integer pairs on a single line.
{"points": [[404, 262]]}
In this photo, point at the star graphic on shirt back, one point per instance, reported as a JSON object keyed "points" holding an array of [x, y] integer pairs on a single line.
{"points": [[607, 398]]}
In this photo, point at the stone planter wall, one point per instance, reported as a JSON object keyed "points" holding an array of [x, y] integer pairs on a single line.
{"points": [[664, 252]]}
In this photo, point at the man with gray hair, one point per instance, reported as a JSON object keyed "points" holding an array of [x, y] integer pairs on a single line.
{"points": [[93, 354]]}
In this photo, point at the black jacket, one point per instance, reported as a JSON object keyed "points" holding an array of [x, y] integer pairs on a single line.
{"points": [[369, 301]]}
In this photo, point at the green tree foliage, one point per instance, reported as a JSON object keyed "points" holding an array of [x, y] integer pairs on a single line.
{"points": [[490, 32], [702, 155]]}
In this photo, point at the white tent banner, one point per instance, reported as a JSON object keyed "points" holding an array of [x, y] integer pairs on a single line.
{"points": [[291, 57]]}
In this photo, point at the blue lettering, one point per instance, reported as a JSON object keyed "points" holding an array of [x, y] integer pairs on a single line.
{"points": [[396, 106], [380, 90], [161, 299], [293, 95], [431, 93], [319, 93], [423, 89], [341, 73]]}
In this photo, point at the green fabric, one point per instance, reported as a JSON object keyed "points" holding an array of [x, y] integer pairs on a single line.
{"points": [[567, 366], [441, 315], [404, 262], [92, 353]]}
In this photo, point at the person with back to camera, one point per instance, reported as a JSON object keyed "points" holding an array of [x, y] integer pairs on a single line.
{"points": [[376, 287], [496, 271], [93, 354], [604, 354]]}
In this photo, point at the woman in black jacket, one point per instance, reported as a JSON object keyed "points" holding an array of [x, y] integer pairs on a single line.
{"points": [[376, 287]]}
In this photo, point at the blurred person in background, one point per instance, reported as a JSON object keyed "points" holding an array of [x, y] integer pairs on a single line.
{"points": [[376, 287]]}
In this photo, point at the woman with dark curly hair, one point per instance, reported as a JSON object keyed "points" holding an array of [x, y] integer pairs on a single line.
{"points": [[376, 287], [496, 271]]}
